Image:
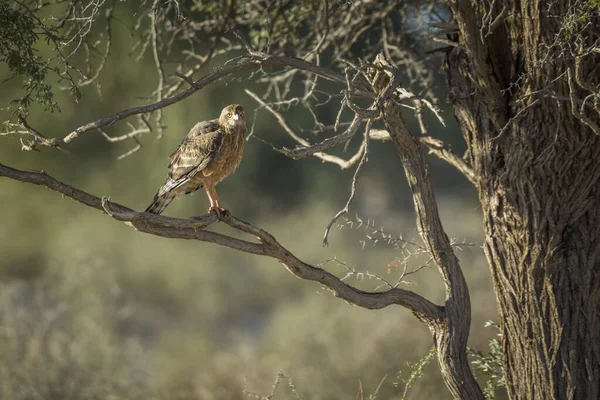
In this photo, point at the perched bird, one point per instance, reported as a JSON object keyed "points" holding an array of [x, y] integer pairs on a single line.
{"points": [[208, 154]]}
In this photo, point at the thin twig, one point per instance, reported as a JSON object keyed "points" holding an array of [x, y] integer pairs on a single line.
{"points": [[346, 208], [344, 164]]}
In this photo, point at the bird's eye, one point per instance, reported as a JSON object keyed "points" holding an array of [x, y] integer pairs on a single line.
{"points": [[228, 115], [241, 115]]}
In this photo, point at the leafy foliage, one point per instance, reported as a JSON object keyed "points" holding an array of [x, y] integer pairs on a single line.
{"points": [[19, 33], [415, 371], [579, 17], [489, 365]]}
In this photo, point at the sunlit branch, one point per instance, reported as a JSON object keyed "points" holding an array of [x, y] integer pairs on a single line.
{"points": [[344, 164], [193, 229], [250, 62]]}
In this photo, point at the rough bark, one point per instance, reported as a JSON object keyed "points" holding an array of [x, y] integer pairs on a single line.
{"points": [[537, 166], [451, 334]]}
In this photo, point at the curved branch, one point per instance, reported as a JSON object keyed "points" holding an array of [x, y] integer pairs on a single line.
{"points": [[199, 84], [437, 148], [253, 61], [451, 337], [346, 208], [303, 151], [193, 229], [580, 114], [343, 164]]}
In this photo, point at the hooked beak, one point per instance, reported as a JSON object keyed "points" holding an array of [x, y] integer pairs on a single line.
{"points": [[236, 117]]}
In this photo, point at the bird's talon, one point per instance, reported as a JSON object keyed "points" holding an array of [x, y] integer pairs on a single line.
{"points": [[220, 211]]}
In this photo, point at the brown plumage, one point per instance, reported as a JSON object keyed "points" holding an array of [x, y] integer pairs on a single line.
{"points": [[208, 154]]}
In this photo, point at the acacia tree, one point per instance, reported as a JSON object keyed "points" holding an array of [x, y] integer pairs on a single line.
{"points": [[523, 79]]}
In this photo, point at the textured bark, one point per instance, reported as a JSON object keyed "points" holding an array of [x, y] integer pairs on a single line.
{"points": [[452, 333], [537, 165], [450, 336]]}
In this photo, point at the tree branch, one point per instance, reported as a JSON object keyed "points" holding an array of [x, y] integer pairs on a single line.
{"points": [[193, 229], [346, 208], [253, 61], [580, 114], [343, 164], [303, 152], [451, 338], [437, 148]]}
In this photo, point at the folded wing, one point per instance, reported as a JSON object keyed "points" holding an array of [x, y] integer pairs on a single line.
{"points": [[194, 154]]}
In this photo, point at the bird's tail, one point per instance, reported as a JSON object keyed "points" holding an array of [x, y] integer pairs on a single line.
{"points": [[160, 202]]}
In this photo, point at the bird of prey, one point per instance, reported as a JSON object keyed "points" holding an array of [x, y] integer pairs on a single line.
{"points": [[208, 154]]}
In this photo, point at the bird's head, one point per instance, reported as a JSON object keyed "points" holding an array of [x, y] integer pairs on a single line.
{"points": [[233, 117]]}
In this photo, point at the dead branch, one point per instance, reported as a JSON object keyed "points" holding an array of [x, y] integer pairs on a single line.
{"points": [[303, 151], [437, 148]]}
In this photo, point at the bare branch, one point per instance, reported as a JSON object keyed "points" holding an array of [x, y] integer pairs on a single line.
{"points": [[184, 77], [133, 150], [254, 61], [344, 164], [157, 62], [193, 229], [490, 25], [514, 118], [437, 148], [346, 208], [38, 137], [303, 152], [92, 78]]}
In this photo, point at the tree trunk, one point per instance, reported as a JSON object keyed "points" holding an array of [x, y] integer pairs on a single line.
{"points": [[537, 162]]}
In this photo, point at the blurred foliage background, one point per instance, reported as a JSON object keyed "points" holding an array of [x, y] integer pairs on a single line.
{"points": [[90, 308]]}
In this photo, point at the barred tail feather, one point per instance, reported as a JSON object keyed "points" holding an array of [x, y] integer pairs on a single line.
{"points": [[160, 203], [165, 195]]}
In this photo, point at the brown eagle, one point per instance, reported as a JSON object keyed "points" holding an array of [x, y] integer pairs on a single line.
{"points": [[208, 154]]}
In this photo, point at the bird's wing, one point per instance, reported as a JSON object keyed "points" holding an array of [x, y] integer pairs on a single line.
{"points": [[196, 151]]}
